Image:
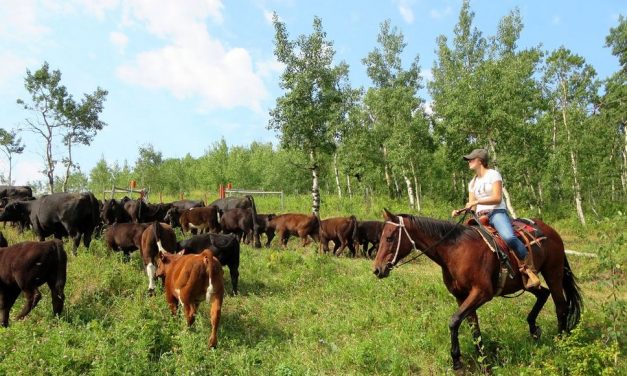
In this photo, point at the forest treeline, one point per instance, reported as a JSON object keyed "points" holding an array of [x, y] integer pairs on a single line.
{"points": [[554, 129]]}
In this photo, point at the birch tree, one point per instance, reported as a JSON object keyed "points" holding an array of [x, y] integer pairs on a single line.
{"points": [[314, 99], [392, 105], [571, 88]]}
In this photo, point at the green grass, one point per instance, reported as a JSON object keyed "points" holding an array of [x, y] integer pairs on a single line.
{"points": [[300, 313]]}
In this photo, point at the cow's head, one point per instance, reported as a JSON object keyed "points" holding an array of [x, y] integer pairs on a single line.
{"points": [[172, 216], [15, 211]]}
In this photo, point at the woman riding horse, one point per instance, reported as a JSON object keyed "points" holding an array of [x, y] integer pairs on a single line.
{"points": [[471, 270]]}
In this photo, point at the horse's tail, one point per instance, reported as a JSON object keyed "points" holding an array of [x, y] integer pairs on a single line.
{"points": [[574, 299]]}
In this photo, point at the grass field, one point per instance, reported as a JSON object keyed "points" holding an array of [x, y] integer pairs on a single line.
{"points": [[301, 313]]}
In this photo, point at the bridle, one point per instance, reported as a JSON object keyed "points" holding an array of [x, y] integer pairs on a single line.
{"points": [[402, 228]]}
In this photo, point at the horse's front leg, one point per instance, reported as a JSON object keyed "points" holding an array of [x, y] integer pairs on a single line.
{"points": [[541, 294], [473, 320], [468, 306]]}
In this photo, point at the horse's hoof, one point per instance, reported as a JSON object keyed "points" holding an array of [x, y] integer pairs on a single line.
{"points": [[536, 334], [458, 367]]}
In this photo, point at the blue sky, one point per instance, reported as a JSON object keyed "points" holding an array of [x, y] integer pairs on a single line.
{"points": [[182, 74]]}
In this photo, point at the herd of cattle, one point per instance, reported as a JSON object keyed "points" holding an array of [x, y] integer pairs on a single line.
{"points": [[191, 269]]}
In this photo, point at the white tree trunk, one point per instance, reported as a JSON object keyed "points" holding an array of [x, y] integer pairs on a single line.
{"points": [[388, 178], [348, 186], [337, 176], [573, 160], [315, 187], [410, 192], [416, 186], [577, 188]]}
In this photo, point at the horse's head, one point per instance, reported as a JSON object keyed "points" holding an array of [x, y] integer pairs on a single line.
{"points": [[394, 245]]}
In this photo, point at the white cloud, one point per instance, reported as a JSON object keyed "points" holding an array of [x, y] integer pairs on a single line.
{"points": [[405, 9], [269, 67], [427, 75], [23, 171], [193, 63], [19, 21], [13, 68], [119, 40], [267, 15], [439, 14]]}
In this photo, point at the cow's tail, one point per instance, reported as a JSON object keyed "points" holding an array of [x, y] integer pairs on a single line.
{"points": [[156, 231], [96, 219], [354, 224], [253, 208]]}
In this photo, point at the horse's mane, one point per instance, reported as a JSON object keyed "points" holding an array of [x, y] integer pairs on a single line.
{"points": [[436, 228]]}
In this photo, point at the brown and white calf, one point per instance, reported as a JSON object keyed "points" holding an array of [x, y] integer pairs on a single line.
{"points": [[203, 219], [156, 237], [190, 279]]}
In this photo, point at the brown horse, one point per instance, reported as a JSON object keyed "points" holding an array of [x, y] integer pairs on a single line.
{"points": [[471, 270]]}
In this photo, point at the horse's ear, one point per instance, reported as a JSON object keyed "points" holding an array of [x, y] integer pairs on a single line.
{"points": [[387, 215]]}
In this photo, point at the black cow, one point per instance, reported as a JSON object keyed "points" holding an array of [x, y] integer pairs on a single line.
{"points": [[224, 247], [10, 193], [245, 202], [368, 232], [142, 212], [187, 204], [59, 214], [113, 211], [239, 221]]}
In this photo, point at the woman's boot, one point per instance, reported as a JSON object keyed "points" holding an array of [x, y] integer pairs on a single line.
{"points": [[528, 270]]}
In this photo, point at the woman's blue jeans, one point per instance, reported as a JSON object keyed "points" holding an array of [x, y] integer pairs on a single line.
{"points": [[499, 219]]}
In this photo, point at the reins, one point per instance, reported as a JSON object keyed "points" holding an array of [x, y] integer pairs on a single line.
{"points": [[401, 226]]}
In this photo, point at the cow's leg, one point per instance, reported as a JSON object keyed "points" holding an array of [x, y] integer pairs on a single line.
{"points": [[7, 299], [31, 298], [338, 247], [173, 303], [151, 269], [324, 243], [87, 238], [215, 299], [58, 296], [190, 312], [270, 235], [304, 237], [284, 235], [351, 248], [372, 249], [234, 272]]}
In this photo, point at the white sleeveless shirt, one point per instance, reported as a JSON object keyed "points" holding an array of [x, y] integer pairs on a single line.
{"points": [[482, 188]]}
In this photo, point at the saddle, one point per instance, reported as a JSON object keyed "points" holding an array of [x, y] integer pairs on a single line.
{"points": [[525, 229]]}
